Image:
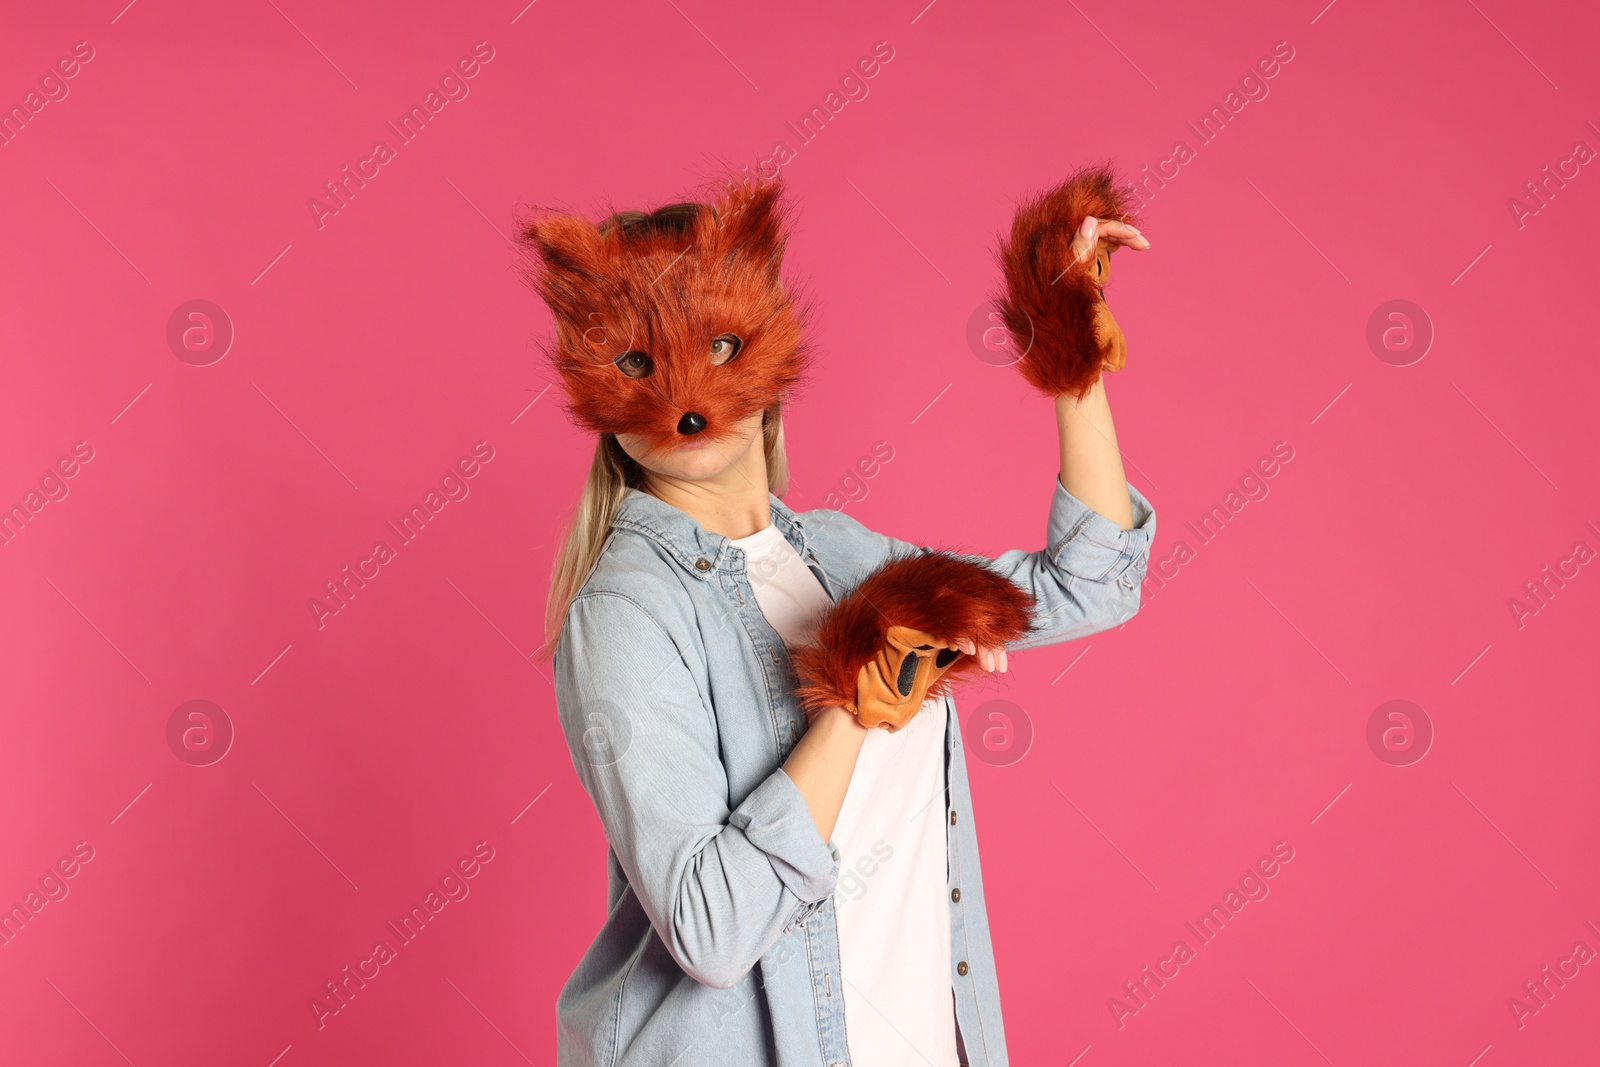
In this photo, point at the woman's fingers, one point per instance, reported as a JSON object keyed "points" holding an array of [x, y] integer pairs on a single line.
{"points": [[990, 657], [1083, 240], [1109, 230], [1123, 233]]}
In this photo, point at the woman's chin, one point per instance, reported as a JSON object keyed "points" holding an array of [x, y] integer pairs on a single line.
{"points": [[699, 464]]}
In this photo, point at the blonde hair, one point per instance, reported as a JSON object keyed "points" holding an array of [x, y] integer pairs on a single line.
{"points": [[611, 474]]}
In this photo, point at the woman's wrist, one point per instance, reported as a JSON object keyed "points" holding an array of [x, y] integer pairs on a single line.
{"points": [[1091, 464], [839, 720], [822, 763]]}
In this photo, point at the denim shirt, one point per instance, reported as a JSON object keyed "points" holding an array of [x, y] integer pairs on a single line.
{"points": [[720, 944]]}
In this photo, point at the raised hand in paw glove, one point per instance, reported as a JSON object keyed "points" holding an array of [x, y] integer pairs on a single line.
{"points": [[905, 633], [1056, 264]]}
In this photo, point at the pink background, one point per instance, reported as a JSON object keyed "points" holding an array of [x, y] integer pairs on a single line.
{"points": [[373, 352]]}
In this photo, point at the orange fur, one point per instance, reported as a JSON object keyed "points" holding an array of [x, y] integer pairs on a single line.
{"points": [[1049, 304], [667, 292], [955, 598]]}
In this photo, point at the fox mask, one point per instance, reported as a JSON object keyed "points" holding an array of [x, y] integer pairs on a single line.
{"points": [[674, 323]]}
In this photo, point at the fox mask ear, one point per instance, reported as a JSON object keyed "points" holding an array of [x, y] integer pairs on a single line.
{"points": [[570, 257], [748, 226], [745, 229], [565, 242]]}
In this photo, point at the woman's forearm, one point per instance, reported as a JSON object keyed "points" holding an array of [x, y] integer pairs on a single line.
{"points": [[822, 763], [1091, 466]]}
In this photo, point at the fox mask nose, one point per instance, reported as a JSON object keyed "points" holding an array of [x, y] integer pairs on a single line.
{"points": [[691, 423]]}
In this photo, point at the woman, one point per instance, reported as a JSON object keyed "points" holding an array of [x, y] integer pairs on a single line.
{"points": [[733, 824]]}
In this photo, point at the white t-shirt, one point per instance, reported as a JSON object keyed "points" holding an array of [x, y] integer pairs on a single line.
{"points": [[892, 900]]}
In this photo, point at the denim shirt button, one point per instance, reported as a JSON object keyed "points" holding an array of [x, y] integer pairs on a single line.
{"points": [[702, 564], [955, 895], [961, 968]]}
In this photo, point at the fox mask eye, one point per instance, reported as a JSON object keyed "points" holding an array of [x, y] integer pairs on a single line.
{"points": [[635, 364], [724, 348]]}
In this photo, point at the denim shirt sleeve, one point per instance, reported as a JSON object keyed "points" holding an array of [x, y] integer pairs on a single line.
{"points": [[1087, 577], [718, 884]]}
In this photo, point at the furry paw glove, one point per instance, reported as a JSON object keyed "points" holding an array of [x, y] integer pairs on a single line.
{"points": [[890, 643], [1055, 309]]}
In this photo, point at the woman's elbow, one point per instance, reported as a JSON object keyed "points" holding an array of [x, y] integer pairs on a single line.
{"points": [[1116, 604], [707, 947], [1089, 608], [710, 964], [719, 978]]}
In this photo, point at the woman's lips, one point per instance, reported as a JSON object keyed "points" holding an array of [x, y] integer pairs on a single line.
{"points": [[693, 443]]}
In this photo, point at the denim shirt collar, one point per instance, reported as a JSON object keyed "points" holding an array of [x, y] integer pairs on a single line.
{"points": [[696, 549]]}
